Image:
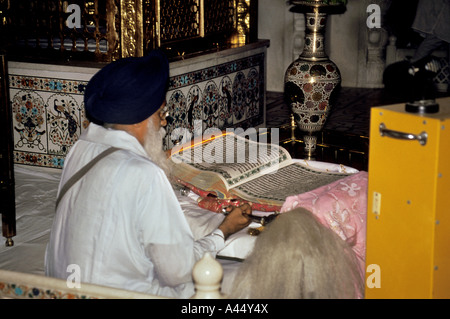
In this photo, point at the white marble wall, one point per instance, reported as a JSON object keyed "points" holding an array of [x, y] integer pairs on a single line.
{"points": [[222, 89], [47, 109], [347, 42]]}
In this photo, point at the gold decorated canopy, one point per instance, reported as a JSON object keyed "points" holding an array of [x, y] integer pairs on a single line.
{"points": [[105, 30]]}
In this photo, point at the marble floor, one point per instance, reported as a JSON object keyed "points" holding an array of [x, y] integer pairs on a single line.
{"points": [[350, 113], [349, 118]]}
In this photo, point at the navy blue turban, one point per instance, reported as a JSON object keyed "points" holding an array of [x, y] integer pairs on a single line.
{"points": [[127, 91]]}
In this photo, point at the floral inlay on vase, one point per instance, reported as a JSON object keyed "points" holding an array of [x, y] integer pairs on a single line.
{"points": [[312, 80]]}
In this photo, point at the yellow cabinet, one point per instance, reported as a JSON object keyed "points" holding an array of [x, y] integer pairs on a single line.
{"points": [[408, 221]]}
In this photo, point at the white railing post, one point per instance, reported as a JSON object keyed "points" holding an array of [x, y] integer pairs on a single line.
{"points": [[207, 275]]}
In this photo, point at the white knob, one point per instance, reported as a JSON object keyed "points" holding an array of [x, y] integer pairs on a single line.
{"points": [[207, 275]]}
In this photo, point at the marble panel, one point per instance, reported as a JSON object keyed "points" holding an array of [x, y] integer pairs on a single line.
{"points": [[214, 91]]}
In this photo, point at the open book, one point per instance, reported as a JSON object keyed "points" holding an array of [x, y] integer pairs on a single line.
{"points": [[231, 166]]}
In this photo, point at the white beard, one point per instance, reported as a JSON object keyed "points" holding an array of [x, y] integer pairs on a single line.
{"points": [[153, 145]]}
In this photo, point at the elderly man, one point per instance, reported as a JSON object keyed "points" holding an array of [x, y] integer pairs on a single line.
{"points": [[121, 223]]}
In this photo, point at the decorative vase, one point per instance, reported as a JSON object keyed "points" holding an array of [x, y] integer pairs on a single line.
{"points": [[312, 80]]}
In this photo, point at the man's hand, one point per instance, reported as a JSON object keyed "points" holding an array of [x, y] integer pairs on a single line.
{"points": [[237, 219]]}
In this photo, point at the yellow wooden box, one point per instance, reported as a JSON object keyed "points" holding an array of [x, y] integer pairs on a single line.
{"points": [[408, 216]]}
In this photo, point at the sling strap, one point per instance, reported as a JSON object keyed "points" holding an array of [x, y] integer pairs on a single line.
{"points": [[82, 172]]}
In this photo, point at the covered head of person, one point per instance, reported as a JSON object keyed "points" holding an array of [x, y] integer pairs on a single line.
{"points": [[127, 91]]}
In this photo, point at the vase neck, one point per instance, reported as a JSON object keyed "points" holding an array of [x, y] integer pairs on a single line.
{"points": [[314, 48]]}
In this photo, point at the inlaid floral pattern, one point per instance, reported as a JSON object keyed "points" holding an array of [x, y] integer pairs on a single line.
{"points": [[48, 113]]}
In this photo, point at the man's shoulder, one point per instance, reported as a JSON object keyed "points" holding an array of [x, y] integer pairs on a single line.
{"points": [[137, 165], [134, 160]]}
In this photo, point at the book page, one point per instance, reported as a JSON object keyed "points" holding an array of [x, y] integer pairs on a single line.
{"points": [[290, 180], [234, 158]]}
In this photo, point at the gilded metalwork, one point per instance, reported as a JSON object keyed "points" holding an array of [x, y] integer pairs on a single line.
{"points": [[131, 27], [179, 20], [220, 17], [243, 19], [69, 28], [105, 30]]}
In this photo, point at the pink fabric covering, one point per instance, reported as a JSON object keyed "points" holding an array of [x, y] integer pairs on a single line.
{"points": [[341, 206]]}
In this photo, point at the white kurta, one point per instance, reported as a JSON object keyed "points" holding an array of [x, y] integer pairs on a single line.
{"points": [[121, 223]]}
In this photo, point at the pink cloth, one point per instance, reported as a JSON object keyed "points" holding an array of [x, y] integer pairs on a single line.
{"points": [[340, 206]]}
